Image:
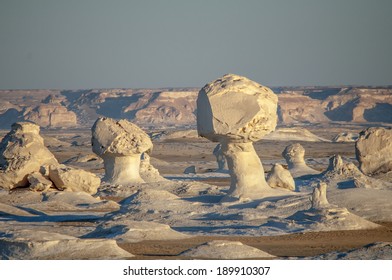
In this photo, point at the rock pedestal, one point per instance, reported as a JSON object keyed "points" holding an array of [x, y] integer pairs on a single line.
{"points": [[236, 111]]}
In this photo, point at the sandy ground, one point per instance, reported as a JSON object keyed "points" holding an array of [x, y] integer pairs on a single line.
{"points": [[286, 246]]}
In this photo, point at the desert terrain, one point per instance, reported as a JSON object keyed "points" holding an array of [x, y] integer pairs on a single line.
{"points": [[179, 208]]}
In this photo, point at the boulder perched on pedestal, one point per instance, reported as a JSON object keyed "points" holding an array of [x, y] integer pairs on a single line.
{"points": [[22, 152], [374, 150], [120, 145], [236, 111]]}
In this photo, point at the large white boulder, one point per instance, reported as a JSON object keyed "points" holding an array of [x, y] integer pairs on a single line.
{"points": [[236, 111], [374, 150], [22, 152], [120, 145], [74, 180]]}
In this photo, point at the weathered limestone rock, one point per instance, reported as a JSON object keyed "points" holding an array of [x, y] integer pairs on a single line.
{"points": [[236, 111], [75, 180], [374, 150], [280, 178], [294, 155], [345, 137], [22, 152], [148, 172], [120, 144], [42, 245], [319, 197], [38, 182]]}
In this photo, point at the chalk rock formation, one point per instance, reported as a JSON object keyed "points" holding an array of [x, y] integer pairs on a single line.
{"points": [[120, 145], [225, 250], [374, 150], [74, 180], [148, 172], [294, 134], [294, 155], [347, 175], [236, 111], [38, 182], [220, 157], [42, 245], [280, 178], [22, 152], [345, 137], [125, 230], [319, 197], [323, 216]]}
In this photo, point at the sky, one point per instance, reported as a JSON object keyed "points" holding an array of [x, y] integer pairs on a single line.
{"points": [[80, 44]]}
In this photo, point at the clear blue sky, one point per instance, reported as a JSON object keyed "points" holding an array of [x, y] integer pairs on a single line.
{"points": [[71, 44]]}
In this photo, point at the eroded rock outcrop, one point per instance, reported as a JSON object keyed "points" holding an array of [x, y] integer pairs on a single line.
{"points": [[22, 152], [280, 178], [225, 250], [70, 179], [120, 145], [374, 150], [294, 155]]}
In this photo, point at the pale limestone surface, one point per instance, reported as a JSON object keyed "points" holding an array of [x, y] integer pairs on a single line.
{"points": [[39, 182], [41, 245], [120, 145], [280, 178], [294, 155], [225, 250], [345, 137], [236, 111], [74, 180], [148, 172], [125, 230], [22, 152], [374, 150]]}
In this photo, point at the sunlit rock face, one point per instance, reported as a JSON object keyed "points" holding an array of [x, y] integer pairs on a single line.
{"points": [[374, 150], [236, 111], [120, 144], [22, 152], [294, 155]]}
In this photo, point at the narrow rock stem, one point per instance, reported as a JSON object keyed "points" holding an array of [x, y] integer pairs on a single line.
{"points": [[122, 169], [246, 171]]}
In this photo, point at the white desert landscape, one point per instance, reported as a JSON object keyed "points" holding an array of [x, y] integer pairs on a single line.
{"points": [[234, 170]]}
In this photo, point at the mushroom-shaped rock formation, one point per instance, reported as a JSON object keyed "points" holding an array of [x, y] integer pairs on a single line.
{"points": [[120, 145], [22, 152], [236, 111], [294, 155], [374, 150], [280, 178]]}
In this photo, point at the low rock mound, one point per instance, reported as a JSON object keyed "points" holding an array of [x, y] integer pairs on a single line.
{"points": [[294, 155], [124, 230], [225, 250], [294, 134], [42, 245], [373, 251], [345, 137]]}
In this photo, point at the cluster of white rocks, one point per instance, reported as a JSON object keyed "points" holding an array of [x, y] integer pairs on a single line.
{"points": [[26, 162]]}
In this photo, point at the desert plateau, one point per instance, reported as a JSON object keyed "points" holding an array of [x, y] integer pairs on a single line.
{"points": [[233, 170]]}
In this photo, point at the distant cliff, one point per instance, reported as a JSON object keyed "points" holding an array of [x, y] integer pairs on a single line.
{"points": [[177, 107]]}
